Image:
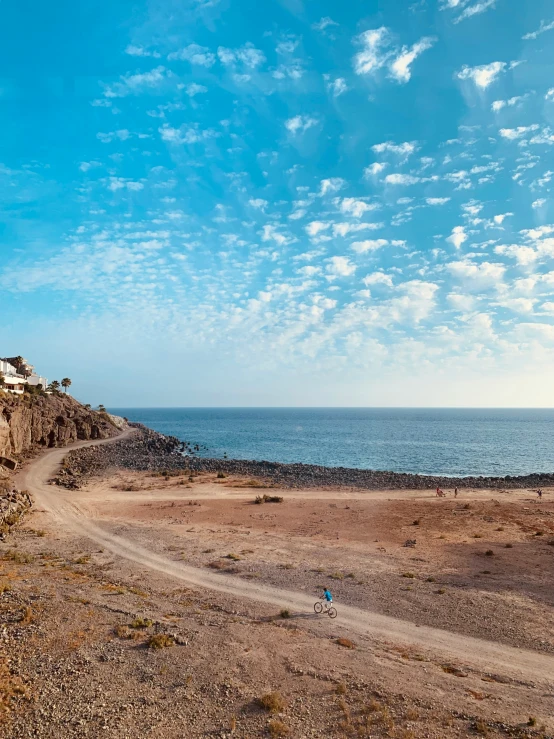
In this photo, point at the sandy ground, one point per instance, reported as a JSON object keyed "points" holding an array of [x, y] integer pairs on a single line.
{"points": [[448, 640]]}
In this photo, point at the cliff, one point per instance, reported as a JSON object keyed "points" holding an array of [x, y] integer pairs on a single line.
{"points": [[30, 422]]}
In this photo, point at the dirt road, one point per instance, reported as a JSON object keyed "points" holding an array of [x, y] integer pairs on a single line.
{"points": [[482, 655]]}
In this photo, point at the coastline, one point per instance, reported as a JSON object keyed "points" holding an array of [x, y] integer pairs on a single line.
{"points": [[148, 450]]}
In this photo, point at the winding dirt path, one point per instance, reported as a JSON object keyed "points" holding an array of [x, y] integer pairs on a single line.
{"points": [[482, 655]]}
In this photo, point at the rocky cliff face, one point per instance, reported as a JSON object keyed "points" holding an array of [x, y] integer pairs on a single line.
{"points": [[32, 421]]}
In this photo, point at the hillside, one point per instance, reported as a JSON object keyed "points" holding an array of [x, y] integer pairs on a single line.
{"points": [[31, 421]]}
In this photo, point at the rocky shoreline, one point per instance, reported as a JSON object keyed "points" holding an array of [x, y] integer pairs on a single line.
{"points": [[149, 451]]}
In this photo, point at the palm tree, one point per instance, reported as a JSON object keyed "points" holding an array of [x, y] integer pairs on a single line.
{"points": [[54, 386], [66, 382], [2, 379]]}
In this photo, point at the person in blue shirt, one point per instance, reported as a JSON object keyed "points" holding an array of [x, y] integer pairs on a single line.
{"points": [[327, 596]]}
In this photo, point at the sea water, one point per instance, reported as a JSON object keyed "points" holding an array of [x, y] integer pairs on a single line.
{"points": [[448, 442]]}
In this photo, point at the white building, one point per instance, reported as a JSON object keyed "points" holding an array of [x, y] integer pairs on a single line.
{"points": [[15, 382]]}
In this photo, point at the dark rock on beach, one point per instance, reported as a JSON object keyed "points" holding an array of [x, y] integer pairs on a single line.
{"points": [[149, 451]]}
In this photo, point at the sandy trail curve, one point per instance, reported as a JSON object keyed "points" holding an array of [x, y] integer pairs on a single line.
{"points": [[483, 655]]}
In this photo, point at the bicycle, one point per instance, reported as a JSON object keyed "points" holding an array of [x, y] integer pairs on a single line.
{"points": [[325, 607]]}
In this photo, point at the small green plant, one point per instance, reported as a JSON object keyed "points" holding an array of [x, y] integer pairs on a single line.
{"points": [[140, 623], [440, 591], [160, 641], [271, 702]]}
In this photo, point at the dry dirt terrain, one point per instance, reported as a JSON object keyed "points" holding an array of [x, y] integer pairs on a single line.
{"points": [[161, 607]]}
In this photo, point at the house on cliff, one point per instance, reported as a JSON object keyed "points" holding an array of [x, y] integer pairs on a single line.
{"points": [[16, 377]]}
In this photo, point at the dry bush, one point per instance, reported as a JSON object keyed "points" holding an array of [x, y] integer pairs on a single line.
{"points": [[160, 641], [336, 576], [285, 613], [277, 728], [409, 575], [141, 623], [217, 564], [340, 689], [27, 616], [342, 642], [489, 553], [271, 702], [234, 557], [12, 555], [11, 688]]}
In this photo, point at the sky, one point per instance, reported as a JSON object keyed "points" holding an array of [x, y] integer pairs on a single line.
{"points": [[295, 202]]}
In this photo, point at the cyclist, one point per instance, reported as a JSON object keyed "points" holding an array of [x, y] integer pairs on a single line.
{"points": [[327, 597]]}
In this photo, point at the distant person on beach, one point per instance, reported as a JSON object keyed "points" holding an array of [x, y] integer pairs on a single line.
{"points": [[455, 492], [539, 494]]}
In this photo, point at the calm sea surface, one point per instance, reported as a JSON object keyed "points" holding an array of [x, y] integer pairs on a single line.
{"points": [[428, 441]]}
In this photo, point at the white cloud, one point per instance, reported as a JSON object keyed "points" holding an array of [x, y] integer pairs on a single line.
{"points": [[401, 179], [85, 166], [464, 303], [338, 87], [483, 75], [258, 203], [524, 255], [372, 58], [324, 23], [543, 28], [288, 46], [247, 55], [136, 83], [185, 135], [501, 217], [436, 201], [300, 123], [133, 50], [499, 104], [458, 236], [270, 233], [549, 94], [538, 203], [400, 67], [340, 267], [361, 247], [477, 276], [378, 278], [316, 227], [375, 169], [402, 150], [516, 133], [195, 54], [518, 305], [471, 10], [330, 185], [343, 229], [356, 208], [195, 89]]}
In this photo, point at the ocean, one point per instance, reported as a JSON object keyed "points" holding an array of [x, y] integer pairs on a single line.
{"points": [[449, 442]]}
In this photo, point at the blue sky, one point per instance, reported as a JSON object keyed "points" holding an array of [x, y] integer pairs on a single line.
{"points": [[207, 202]]}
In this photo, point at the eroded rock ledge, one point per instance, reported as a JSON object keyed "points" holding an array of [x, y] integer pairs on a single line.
{"points": [[147, 450]]}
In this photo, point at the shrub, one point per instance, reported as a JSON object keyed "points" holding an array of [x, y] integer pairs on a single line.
{"points": [[271, 702], [409, 575], [440, 591], [342, 642], [489, 553], [220, 476], [160, 641], [340, 689], [416, 522], [277, 728], [234, 557], [337, 576], [509, 546], [140, 623], [285, 613]]}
